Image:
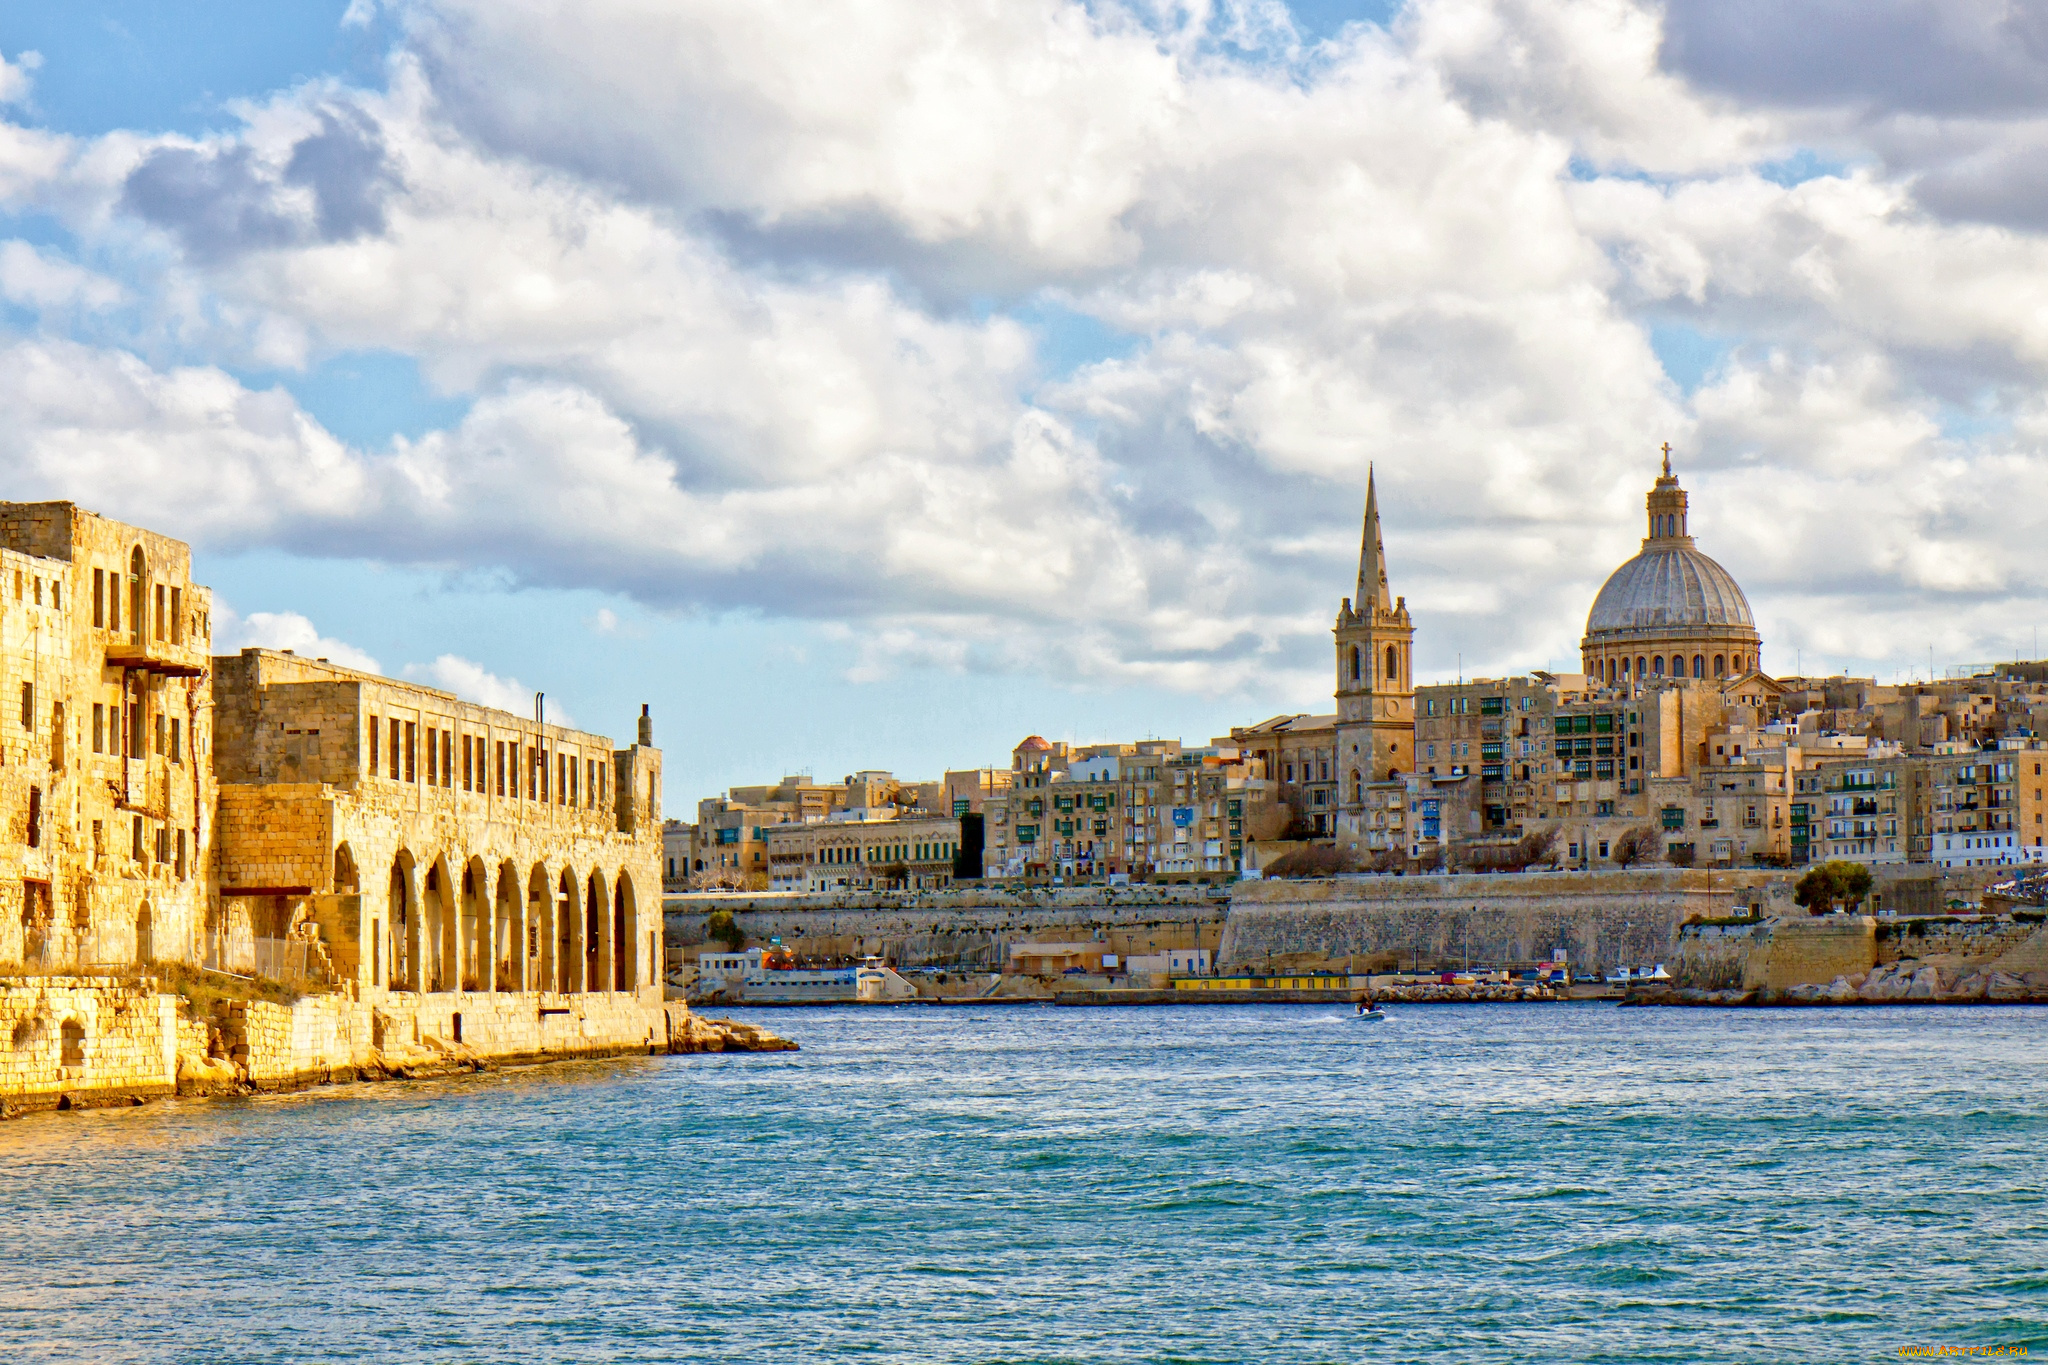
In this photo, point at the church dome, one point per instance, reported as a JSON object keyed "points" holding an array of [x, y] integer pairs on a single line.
{"points": [[1669, 585]]}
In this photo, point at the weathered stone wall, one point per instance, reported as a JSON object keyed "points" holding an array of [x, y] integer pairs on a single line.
{"points": [[80, 1041], [1602, 919], [84, 1040], [958, 927]]}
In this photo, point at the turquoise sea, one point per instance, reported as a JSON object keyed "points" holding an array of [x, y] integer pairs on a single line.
{"points": [[1478, 1183]]}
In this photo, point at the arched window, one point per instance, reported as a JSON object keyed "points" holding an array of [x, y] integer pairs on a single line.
{"points": [[1354, 663], [1738, 663], [1610, 672], [1641, 668], [1699, 665], [1393, 678], [1657, 665], [1357, 788], [1720, 665], [138, 590]]}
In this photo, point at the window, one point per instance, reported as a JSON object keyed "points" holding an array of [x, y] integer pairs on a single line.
{"points": [[392, 748], [159, 631], [1393, 675], [28, 706], [177, 614], [177, 754], [498, 765], [374, 734], [136, 736], [35, 816], [157, 731], [1354, 663], [99, 599], [447, 758], [99, 727], [135, 847], [412, 733], [181, 855]]}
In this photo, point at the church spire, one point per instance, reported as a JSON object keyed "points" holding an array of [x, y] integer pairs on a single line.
{"points": [[1372, 555]]}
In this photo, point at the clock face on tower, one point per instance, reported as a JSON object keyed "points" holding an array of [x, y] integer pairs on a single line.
{"points": [[1391, 707]]}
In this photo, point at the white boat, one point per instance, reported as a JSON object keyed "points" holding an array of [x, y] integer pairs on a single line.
{"points": [[1371, 1016]]}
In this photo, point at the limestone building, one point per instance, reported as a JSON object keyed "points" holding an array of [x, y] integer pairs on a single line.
{"points": [[1375, 731], [437, 845], [1671, 611], [265, 813], [105, 769]]}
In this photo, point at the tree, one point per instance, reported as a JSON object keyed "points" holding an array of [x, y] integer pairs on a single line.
{"points": [[1832, 884], [1317, 860], [1537, 846], [1680, 855], [721, 927], [1387, 860], [1638, 845]]}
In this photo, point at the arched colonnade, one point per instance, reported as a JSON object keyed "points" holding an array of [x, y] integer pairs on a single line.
{"points": [[452, 924]]}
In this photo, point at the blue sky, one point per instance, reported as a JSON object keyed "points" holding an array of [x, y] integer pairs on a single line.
{"points": [[851, 420]]}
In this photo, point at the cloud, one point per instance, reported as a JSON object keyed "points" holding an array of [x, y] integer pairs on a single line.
{"points": [[34, 280], [15, 79], [223, 200], [735, 291], [472, 682], [285, 630]]}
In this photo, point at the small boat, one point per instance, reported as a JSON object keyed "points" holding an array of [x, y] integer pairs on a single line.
{"points": [[1371, 1016]]}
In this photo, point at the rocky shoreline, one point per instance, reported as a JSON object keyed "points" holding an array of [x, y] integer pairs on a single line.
{"points": [[1899, 983]]}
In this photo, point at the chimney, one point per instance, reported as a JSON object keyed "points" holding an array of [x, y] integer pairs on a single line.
{"points": [[646, 727]]}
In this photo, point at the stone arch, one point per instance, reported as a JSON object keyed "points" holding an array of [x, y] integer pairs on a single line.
{"points": [[138, 596], [1699, 665], [1393, 674], [540, 914], [508, 933], [402, 915], [1642, 670], [1657, 665], [145, 936], [598, 944], [628, 967], [568, 933], [1720, 665], [1354, 663], [1357, 787], [438, 959], [1738, 663], [474, 947], [346, 879]]}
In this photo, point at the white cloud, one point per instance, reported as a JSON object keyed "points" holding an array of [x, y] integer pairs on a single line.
{"points": [[15, 78], [472, 682], [706, 272], [36, 280], [286, 630]]}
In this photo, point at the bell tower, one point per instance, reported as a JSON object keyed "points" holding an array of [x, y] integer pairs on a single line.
{"points": [[1375, 677]]}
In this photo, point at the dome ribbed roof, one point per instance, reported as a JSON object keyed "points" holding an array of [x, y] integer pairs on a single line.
{"points": [[1669, 585]]}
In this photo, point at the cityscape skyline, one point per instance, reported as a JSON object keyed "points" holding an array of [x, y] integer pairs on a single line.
{"points": [[793, 432]]}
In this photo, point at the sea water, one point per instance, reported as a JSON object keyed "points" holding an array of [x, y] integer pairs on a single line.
{"points": [[1219, 1183]]}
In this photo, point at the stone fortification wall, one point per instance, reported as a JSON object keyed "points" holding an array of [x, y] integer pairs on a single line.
{"points": [[66, 1040], [1602, 919], [958, 927], [81, 1041], [1799, 952]]}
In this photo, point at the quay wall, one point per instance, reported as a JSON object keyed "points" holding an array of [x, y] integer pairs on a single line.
{"points": [[1783, 953], [76, 1042], [1601, 919], [958, 927]]}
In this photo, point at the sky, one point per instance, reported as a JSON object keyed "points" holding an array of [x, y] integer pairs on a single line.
{"points": [[872, 385]]}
